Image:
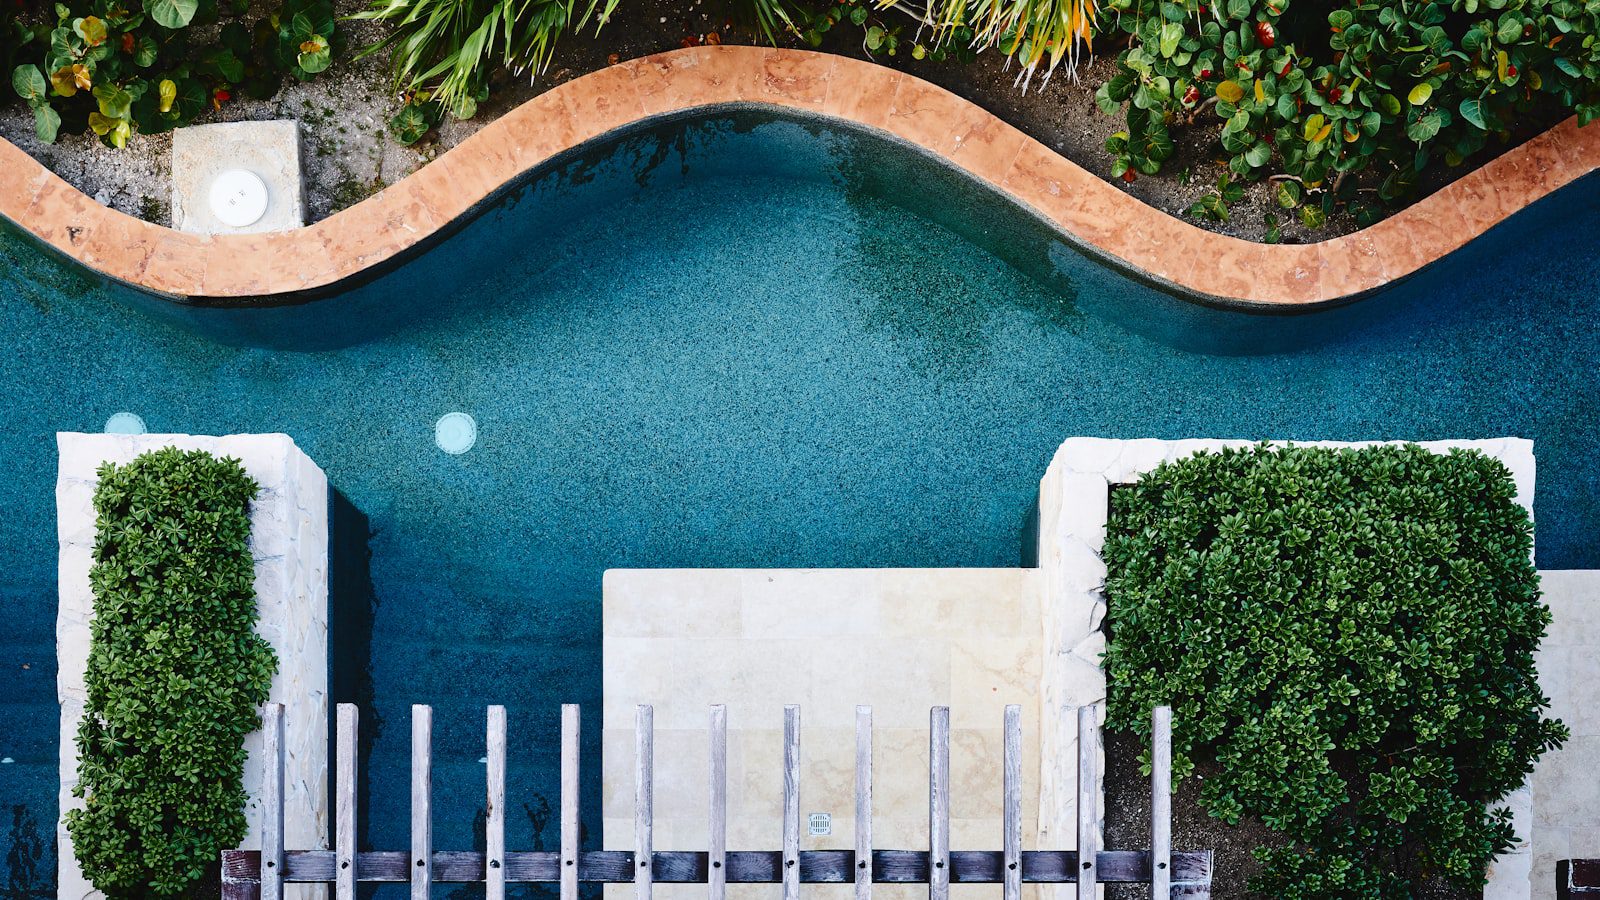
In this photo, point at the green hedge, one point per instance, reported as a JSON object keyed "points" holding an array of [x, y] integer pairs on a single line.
{"points": [[176, 673], [1347, 637]]}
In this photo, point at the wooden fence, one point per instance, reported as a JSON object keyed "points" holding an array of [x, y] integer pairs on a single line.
{"points": [[260, 875]]}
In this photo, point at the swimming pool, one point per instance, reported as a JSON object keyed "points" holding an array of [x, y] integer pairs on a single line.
{"points": [[736, 340]]}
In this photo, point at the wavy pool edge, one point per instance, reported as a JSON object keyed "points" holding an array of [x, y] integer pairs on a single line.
{"points": [[1093, 213]]}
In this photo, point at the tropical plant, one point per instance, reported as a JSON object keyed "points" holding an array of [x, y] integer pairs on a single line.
{"points": [[1384, 88], [1347, 639], [119, 71], [175, 673], [443, 51], [1032, 33]]}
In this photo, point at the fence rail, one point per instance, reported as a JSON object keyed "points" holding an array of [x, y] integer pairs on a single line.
{"points": [[261, 875]]}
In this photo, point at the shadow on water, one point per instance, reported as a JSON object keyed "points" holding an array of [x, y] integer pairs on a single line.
{"points": [[879, 175], [353, 601], [30, 869]]}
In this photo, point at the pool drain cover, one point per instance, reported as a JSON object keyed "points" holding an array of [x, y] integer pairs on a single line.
{"points": [[455, 433], [125, 423], [238, 198]]}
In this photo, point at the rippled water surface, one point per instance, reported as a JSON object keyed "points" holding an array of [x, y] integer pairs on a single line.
{"points": [[739, 341]]}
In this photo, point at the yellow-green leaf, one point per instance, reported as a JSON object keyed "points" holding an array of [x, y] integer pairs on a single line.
{"points": [[1230, 92], [1420, 94], [167, 92]]}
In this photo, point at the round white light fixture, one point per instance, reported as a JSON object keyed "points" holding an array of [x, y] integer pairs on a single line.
{"points": [[455, 433], [238, 198], [124, 423]]}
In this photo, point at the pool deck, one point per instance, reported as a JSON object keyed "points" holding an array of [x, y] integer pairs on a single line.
{"points": [[1095, 214]]}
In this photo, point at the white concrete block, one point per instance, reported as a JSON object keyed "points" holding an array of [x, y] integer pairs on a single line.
{"points": [[291, 518], [269, 150]]}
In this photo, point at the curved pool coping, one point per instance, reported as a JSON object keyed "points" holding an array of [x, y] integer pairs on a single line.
{"points": [[1094, 213]]}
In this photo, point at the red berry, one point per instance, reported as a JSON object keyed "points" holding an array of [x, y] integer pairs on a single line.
{"points": [[1191, 96], [1287, 65], [1511, 71], [222, 95], [1205, 73], [1265, 34], [1130, 176]]}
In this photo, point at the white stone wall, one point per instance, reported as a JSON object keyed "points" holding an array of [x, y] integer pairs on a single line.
{"points": [[289, 541], [1074, 501], [1566, 793]]}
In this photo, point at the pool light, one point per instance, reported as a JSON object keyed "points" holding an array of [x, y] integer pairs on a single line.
{"points": [[455, 433], [125, 423]]}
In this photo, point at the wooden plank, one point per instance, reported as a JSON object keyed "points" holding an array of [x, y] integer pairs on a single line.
{"points": [[717, 845], [939, 802], [1161, 803], [241, 875], [349, 872], [272, 802], [1088, 794], [1191, 875], [1011, 805], [1577, 878], [570, 724], [1190, 869], [494, 829], [421, 801], [643, 799], [791, 802], [863, 857]]}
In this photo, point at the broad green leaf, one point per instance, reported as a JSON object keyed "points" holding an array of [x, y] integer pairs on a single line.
{"points": [[1288, 194], [172, 14], [1426, 128], [46, 123], [315, 56], [29, 84], [91, 29], [113, 101], [1171, 34], [1472, 111]]}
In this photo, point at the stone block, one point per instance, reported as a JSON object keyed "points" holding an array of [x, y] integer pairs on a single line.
{"points": [[292, 602], [269, 150]]}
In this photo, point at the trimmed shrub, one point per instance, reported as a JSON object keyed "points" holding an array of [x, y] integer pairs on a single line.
{"points": [[1346, 637], [175, 674]]}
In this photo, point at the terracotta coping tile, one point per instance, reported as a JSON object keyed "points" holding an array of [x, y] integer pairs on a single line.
{"points": [[1079, 203]]}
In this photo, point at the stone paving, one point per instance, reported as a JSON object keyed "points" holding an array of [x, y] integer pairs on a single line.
{"points": [[1566, 785]]}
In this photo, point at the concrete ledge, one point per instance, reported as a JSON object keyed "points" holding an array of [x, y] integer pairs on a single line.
{"points": [[1074, 500], [1086, 209], [899, 640], [289, 540]]}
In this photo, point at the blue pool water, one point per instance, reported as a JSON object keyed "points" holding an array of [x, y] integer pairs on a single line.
{"points": [[740, 341]]}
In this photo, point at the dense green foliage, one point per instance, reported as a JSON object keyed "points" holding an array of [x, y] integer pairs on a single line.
{"points": [[175, 673], [1347, 636], [116, 67], [445, 50], [1310, 93]]}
